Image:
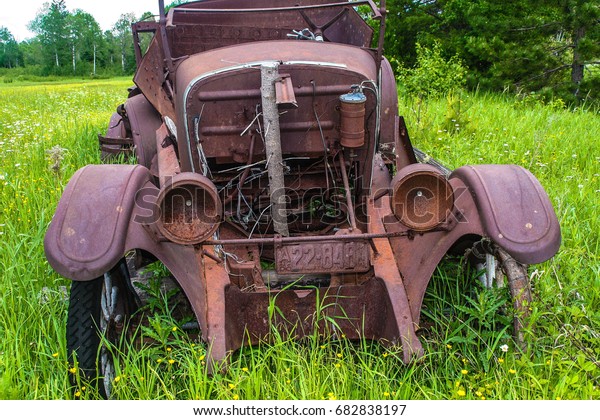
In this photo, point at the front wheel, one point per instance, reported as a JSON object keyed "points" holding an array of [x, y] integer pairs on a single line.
{"points": [[98, 312], [498, 268]]}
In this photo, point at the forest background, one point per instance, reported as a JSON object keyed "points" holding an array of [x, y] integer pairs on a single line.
{"points": [[547, 47]]}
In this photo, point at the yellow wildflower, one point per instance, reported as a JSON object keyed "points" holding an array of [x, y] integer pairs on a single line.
{"points": [[73, 369], [339, 355], [464, 371], [78, 394], [55, 355], [386, 394], [500, 360], [171, 361], [117, 379], [231, 386], [244, 369], [512, 371], [236, 397], [461, 393], [337, 365]]}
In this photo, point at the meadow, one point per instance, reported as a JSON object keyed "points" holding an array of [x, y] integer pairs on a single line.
{"points": [[48, 131]]}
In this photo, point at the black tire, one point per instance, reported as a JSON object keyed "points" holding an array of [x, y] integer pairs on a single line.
{"points": [[87, 323]]}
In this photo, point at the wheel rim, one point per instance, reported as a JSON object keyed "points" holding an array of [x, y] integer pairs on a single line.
{"points": [[497, 267], [108, 317]]}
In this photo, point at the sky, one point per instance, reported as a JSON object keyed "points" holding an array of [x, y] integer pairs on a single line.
{"points": [[16, 14]]}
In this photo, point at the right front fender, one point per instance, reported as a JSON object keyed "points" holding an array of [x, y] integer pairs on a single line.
{"points": [[87, 234]]}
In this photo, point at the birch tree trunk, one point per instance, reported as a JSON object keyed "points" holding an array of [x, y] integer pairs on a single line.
{"points": [[269, 73]]}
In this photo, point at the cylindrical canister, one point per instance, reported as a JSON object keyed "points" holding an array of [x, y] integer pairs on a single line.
{"points": [[352, 125]]}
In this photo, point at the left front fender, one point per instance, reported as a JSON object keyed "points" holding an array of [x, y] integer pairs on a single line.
{"points": [[514, 209]]}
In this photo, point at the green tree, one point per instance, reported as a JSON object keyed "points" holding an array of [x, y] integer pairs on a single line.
{"points": [[85, 37], [123, 39], [52, 29], [524, 44], [10, 54]]}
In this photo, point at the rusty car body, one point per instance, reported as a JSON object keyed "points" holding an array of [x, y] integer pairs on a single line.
{"points": [[272, 167]]}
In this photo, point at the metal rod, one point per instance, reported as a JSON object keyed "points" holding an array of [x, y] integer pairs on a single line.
{"points": [[349, 203], [298, 239], [376, 11]]}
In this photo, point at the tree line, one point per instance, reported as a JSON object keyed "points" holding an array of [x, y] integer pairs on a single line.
{"points": [[71, 43], [547, 46], [550, 46]]}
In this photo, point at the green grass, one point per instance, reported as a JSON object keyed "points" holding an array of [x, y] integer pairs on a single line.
{"points": [[462, 341]]}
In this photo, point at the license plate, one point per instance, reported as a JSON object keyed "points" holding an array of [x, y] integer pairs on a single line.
{"points": [[323, 257]]}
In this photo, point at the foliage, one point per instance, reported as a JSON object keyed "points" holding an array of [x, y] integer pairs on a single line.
{"points": [[526, 45], [463, 335], [432, 75]]}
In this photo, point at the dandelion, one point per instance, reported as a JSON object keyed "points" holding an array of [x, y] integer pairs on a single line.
{"points": [[512, 371], [464, 371], [461, 393]]}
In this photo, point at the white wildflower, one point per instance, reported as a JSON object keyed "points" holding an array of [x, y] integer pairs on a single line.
{"points": [[504, 348]]}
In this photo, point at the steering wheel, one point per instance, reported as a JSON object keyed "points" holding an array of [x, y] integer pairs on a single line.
{"points": [[319, 29]]}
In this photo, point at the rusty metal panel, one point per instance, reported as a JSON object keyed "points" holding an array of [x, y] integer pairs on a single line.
{"points": [[515, 210], [150, 78]]}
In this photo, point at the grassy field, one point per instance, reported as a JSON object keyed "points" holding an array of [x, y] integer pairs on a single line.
{"points": [[49, 131]]}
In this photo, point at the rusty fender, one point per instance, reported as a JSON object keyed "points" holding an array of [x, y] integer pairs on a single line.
{"points": [[514, 209], [87, 235]]}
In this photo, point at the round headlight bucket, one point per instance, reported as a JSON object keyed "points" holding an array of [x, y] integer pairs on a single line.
{"points": [[190, 209], [422, 197]]}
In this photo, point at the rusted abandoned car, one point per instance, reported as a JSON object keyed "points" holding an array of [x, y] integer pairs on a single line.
{"points": [[273, 167]]}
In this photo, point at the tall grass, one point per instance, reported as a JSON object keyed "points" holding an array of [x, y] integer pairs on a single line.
{"points": [[48, 131]]}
